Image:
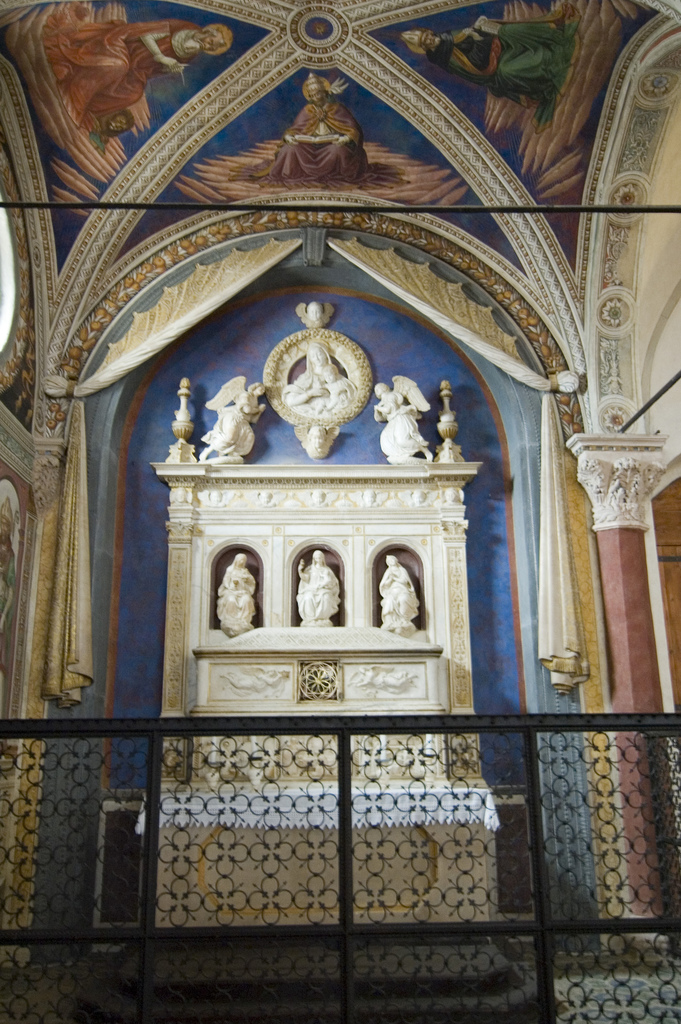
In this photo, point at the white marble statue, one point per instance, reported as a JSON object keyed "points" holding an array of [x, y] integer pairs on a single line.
{"points": [[318, 592], [321, 388], [399, 603], [232, 436], [400, 409], [236, 606]]}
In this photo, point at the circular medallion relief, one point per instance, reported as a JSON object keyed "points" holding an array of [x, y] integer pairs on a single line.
{"points": [[615, 311], [630, 192], [317, 377], [612, 417], [318, 31], [658, 85]]}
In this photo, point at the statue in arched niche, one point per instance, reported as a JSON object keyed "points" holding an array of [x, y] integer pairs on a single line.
{"points": [[318, 592], [399, 603], [236, 606]]}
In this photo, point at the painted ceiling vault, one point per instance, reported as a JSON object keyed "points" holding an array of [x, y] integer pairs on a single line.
{"points": [[429, 104]]}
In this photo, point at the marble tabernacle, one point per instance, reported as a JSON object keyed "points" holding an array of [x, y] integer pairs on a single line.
{"points": [[293, 593]]}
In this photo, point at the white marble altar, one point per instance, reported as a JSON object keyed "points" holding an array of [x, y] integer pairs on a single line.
{"points": [[281, 516]]}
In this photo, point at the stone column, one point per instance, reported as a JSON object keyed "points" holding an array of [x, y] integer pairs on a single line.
{"points": [[619, 474]]}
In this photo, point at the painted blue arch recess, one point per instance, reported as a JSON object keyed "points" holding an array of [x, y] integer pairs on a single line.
{"points": [[239, 341]]}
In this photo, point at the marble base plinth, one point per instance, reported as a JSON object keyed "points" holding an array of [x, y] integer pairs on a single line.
{"points": [[268, 670]]}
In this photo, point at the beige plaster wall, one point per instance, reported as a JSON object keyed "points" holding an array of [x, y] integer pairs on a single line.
{"points": [[658, 330]]}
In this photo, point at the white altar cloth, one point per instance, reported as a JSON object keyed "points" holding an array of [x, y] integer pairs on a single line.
{"points": [[275, 805]]}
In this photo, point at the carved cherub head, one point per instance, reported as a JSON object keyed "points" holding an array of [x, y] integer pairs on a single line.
{"points": [[317, 439], [315, 314]]}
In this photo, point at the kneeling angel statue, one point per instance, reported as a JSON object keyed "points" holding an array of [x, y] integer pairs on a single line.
{"points": [[400, 409], [232, 436]]}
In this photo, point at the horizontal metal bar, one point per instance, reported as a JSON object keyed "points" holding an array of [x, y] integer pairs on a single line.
{"points": [[328, 724], [315, 207], [211, 934], [65, 936]]}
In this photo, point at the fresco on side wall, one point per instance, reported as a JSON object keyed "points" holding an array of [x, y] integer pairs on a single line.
{"points": [[12, 532], [238, 342], [329, 136]]}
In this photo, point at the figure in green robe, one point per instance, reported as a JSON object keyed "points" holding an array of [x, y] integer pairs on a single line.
{"points": [[528, 62]]}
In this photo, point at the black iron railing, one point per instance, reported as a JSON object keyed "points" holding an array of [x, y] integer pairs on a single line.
{"points": [[352, 869]]}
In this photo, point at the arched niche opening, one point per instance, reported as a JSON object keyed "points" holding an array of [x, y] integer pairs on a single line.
{"points": [[128, 428], [334, 562], [8, 281], [254, 565], [412, 563]]}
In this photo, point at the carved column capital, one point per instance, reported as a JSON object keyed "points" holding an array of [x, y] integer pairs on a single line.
{"points": [[47, 468], [619, 474]]}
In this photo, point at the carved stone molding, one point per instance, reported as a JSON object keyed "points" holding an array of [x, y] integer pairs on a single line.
{"points": [[611, 374], [179, 583], [619, 474], [615, 311], [46, 481], [460, 673], [615, 246], [179, 533]]}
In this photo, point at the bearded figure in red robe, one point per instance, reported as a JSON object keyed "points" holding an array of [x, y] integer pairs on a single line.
{"points": [[102, 68], [324, 145]]}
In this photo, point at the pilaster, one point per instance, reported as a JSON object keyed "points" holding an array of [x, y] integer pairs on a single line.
{"points": [[619, 474], [176, 654]]}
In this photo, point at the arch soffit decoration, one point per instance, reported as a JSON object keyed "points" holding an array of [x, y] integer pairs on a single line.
{"points": [[622, 172], [251, 77], [610, 127], [18, 368], [540, 344]]}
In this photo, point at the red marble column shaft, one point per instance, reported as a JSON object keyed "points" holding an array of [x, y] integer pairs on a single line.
{"points": [[635, 678]]}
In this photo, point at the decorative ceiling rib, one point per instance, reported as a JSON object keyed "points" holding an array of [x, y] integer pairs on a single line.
{"points": [[154, 166]]}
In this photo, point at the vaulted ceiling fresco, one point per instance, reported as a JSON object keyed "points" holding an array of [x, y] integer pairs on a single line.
{"points": [[379, 102]]}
